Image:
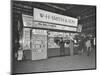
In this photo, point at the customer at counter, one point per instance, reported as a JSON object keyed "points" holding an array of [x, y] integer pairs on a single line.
{"points": [[71, 46], [62, 48]]}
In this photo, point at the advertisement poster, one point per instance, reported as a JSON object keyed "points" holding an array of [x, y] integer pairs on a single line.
{"points": [[27, 20], [39, 44], [26, 38]]}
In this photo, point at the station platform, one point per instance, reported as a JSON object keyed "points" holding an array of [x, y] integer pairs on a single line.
{"points": [[76, 62]]}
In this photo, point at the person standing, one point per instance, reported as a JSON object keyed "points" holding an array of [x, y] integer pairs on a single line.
{"points": [[71, 46], [82, 46], [88, 46], [94, 43], [62, 48]]}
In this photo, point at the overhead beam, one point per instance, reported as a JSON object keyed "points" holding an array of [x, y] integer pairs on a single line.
{"points": [[85, 17], [57, 7], [22, 6], [69, 7]]}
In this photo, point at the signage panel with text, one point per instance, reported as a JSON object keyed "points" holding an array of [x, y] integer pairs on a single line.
{"points": [[45, 16], [53, 26]]}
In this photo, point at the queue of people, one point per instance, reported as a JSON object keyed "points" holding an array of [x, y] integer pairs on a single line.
{"points": [[84, 45], [87, 44]]}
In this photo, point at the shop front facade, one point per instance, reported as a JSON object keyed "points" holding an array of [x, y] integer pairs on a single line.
{"points": [[41, 34]]}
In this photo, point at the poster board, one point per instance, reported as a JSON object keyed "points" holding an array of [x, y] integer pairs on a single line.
{"points": [[26, 38], [39, 44]]}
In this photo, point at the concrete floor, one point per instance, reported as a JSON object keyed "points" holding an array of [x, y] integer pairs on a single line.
{"points": [[56, 64]]}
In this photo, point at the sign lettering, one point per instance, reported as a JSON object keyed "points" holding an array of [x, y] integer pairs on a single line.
{"points": [[45, 16]]}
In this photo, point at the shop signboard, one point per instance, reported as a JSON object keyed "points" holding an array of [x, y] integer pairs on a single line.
{"points": [[79, 29], [55, 34], [53, 26], [39, 31], [27, 20], [50, 17]]}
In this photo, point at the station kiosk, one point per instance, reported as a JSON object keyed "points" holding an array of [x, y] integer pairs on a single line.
{"points": [[40, 31]]}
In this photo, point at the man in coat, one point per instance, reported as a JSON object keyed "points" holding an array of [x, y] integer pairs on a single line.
{"points": [[62, 48]]}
